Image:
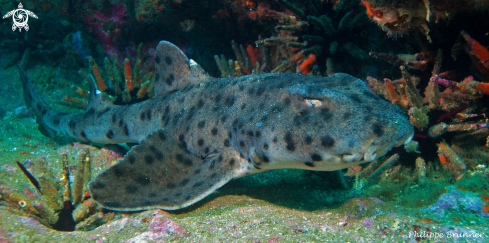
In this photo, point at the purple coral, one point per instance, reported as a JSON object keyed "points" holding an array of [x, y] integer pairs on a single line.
{"points": [[456, 200]]}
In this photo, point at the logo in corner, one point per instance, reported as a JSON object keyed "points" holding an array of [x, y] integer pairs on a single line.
{"points": [[20, 17]]}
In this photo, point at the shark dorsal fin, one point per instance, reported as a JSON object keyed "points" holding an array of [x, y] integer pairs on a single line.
{"points": [[97, 101], [174, 71]]}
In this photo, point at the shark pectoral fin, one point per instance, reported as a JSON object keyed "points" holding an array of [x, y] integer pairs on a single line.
{"points": [[159, 173], [173, 70]]}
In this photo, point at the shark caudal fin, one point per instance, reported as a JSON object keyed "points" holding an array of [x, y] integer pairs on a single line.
{"points": [[38, 106], [174, 71]]}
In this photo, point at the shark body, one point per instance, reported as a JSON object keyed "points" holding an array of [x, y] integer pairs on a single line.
{"points": [[198, 133]]}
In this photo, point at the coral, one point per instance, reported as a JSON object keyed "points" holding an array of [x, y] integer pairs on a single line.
{"points": [[131, 85], [336, 34], [397, 17], [58, 203], [107, 26], [456, 199]]}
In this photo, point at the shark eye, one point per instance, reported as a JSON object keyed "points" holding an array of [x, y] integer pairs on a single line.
{"points": [[313, 103]]}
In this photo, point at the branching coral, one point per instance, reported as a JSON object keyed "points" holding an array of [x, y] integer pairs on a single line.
{"points": [[398, 17]]}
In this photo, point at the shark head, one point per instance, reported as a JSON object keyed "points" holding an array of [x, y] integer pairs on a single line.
{"points": [[327, 123]]}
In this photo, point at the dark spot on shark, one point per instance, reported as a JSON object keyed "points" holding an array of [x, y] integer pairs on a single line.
{"points": [[217, 98], [287, 102], [327, 141], [201, 124], [169, 79], [161, 135], [232, 162], [355, 98], [274, 140], [260, 90], [265, 146], [165, 120], [378, 129], [125, 130], [251, 91], [226, 143], [191, 113], [121, 122], [289, 141], [250, 133], [109, 134], [257, 134], [346, 115], [72, 125], [367, 118], [83, 135], [149, 159], [89, 113], [308, 140], [265, 159], [98, 185], [184, 182], [206, 150], [326, 114], [242, 144], [309, 164], [181, 139], [131, 189], [103, 112], [168, 60], [277, 108], [43, 112], [316, 157], [200, 104], [197, 171], [143, 180], [243, 106], [198, 184], [229, 101], [131, 159], [200, 142], [214, 131], [148, 114], [142, 116], [118, 172], [224, 118]]}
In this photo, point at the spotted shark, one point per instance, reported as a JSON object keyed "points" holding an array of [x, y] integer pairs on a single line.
{"points": [[198, 132]]}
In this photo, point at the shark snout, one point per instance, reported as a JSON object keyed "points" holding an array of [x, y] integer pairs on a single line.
{"points": [[376, 148]]}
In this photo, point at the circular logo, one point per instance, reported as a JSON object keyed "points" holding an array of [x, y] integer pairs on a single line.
{"points": [[20, 17]]}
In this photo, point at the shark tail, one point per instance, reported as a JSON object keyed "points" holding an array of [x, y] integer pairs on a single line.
{"points": [[39, 107]]}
